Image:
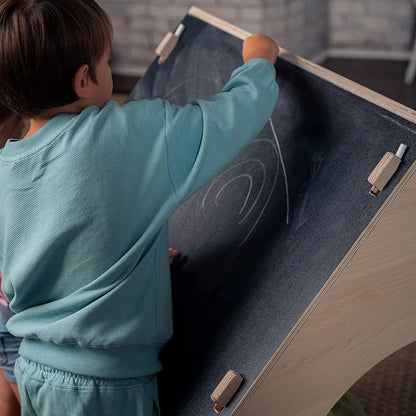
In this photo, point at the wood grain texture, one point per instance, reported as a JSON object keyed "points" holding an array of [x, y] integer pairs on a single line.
{"points": [[365, 312]]}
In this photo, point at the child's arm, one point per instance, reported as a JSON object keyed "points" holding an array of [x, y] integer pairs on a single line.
{"points": [[204, 136]]}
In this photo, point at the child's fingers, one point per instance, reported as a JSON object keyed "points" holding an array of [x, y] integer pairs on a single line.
{"points": [[172, 254], [260, 46]]}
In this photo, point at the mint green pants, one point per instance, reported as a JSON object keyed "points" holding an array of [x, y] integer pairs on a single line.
{"points": [[46, 391]]}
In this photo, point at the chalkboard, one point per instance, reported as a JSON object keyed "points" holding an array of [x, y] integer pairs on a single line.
{"points": [[260, 241]]}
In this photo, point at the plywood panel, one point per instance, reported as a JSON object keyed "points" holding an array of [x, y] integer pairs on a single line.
{"points": [[365, 312]]}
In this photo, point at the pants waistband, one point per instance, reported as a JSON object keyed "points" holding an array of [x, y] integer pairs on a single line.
{"points": [[122, 362]]}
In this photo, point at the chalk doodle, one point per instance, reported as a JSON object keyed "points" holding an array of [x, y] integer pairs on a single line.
{"points": [[260, 188], [283, 169], [256, 177]]}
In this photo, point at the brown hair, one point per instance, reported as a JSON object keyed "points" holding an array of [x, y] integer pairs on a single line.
{"points": [[42, 44], [11, 125]]}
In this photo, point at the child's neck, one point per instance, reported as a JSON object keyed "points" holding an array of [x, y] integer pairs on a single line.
{"points": [[35, 125], [38, 121]]}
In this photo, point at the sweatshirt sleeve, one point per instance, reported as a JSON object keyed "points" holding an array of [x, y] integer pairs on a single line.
{"points": [[205, 135]]}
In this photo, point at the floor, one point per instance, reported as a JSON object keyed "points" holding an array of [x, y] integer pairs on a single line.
{"points": [[389, 389], [384, 77]]}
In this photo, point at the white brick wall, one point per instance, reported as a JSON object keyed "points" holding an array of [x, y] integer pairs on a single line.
{"points": [[305, 27], [139, 25], [376, 25], [298, 25]]}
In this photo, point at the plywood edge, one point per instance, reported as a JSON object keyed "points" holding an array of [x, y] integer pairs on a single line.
{"points": [[218, 23], [338, 80], [240, 407]]}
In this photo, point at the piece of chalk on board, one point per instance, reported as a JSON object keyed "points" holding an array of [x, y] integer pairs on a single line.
{"points": [[400, 151], [385, 169], [168, 43]]}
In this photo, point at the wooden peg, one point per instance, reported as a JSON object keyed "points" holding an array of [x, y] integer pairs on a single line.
{"points": [[385, 169], [168, 43], [225, 390]]}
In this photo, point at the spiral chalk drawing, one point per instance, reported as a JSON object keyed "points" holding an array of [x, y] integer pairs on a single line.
{"points": [[258, 196]]}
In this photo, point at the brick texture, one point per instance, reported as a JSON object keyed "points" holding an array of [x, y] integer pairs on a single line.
{"points": [[383, 25], [139, 25], [305, 27]]}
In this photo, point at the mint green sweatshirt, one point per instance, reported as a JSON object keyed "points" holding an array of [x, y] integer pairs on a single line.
{"points": [[83, 220]]}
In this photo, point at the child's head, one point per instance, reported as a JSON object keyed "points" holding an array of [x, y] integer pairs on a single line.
{"points": [[42, 45]]}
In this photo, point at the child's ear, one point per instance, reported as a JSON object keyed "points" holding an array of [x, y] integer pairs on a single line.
{"points": [[82, 82]]}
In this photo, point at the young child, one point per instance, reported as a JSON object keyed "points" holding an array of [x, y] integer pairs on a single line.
{"points": [[11, 126], [86, 196]]}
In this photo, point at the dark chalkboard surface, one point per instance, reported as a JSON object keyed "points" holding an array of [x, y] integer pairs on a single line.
{"points": [[260, 241]]}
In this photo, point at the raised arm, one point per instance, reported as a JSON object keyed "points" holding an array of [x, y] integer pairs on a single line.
{"points": [[204, 136]]}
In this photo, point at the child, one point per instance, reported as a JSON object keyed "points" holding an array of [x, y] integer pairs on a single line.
{"points": [[85, 200], [11, 126]]}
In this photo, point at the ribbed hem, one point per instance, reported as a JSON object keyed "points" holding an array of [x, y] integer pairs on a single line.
{"points": [[124, 362]]}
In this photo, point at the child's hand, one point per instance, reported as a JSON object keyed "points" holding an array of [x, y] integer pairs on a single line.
{"points": [[260, 46], [172, 254]]}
